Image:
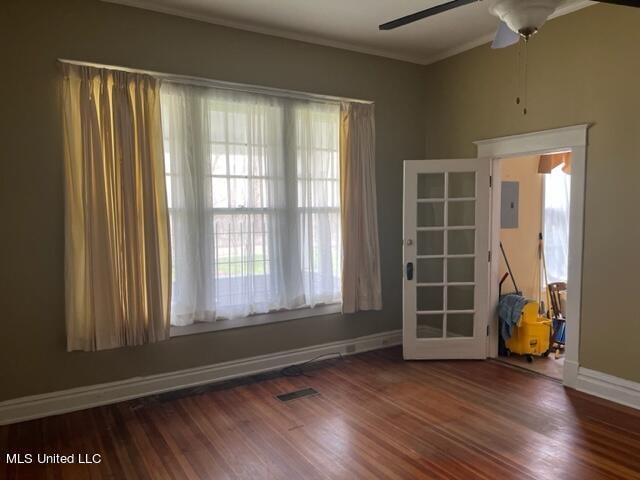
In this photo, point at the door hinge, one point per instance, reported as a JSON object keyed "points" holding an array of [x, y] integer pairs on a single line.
{"points": [[489, 255], [487, 330], [490, 181]]}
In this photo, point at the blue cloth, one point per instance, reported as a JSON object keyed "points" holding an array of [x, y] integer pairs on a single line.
{"points": [[509, 311], [560, 329]]}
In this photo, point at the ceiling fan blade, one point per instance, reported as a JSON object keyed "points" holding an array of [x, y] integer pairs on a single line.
{"points": [[505, 37], [628, 3], [429, 12]]}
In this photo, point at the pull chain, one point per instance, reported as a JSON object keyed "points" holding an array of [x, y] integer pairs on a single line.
{"points": [[519, 74], [526, 76], [523, 76]]}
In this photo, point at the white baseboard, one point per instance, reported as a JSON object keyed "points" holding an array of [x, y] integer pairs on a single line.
{"points": [[607, 386], [55, 403], [570, 373]]}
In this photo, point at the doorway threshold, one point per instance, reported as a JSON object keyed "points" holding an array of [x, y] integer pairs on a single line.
{"points": [[545, 366]]}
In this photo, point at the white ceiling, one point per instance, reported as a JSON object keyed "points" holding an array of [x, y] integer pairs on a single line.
{"points": [[351, 24]]}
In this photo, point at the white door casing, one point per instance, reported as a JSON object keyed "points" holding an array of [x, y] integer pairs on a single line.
{"points": [[572, 138], [445, 258]]}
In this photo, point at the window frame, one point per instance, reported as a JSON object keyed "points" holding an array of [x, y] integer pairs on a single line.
{"points": [[307, 311], [320, 310]]}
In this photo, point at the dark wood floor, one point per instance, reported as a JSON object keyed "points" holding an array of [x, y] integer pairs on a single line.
{"points": [[376, 417], [550, 366]]}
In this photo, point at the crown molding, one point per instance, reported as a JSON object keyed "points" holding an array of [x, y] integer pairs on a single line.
{"points": [[317, 40], [273, 32]]}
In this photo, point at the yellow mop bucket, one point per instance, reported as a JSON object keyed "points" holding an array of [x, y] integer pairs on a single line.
{"points": [[532, 334]]}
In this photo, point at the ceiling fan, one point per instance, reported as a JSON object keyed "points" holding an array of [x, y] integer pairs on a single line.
{"points": [[518, 18]]}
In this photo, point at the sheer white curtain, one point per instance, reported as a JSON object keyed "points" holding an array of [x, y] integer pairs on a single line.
{"points": [[557, 193], [253, 207], [318, 200]]}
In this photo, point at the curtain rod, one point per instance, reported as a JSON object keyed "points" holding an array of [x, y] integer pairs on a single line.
{"points": [[207, 82]]}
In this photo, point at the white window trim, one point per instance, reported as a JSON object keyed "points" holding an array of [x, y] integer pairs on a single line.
{"points": [[259, 319]]}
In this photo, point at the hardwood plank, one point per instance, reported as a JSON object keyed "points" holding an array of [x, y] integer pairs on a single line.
{"points": [[377, 416]]}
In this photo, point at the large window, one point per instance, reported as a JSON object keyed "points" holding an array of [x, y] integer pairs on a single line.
{"points": [[254, 200]]}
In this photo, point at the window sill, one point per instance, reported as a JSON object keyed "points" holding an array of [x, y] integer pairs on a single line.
{"points": [[254, 320]]}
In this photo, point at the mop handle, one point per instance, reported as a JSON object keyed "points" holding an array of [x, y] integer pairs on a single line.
{"points": [[547, 296], [506, 261]]}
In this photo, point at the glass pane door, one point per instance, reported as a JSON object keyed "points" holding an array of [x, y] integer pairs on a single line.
{"points": [[445, 279], [445, 253]]}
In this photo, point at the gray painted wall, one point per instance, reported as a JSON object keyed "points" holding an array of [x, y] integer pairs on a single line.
{"points": [[33, 34], [581, 70]]}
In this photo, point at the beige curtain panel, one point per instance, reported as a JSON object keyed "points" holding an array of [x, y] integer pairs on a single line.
{"points": [[361, 283], [117, 258]]}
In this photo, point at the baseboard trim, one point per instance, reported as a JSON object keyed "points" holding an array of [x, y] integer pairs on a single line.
{"points": [[55, 403], [570, 373], [608, 387]]}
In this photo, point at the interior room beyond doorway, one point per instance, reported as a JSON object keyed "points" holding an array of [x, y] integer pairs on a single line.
{"points": [[534, 233]]}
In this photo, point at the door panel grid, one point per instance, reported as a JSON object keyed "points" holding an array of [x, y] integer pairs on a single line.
{"points": [[445, 278], [445, 193]]}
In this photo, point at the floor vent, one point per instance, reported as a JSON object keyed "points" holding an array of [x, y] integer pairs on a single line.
{"points": [[305, 392]]}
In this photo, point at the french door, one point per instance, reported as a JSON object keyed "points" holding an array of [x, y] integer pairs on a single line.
{"points": [[445, 253]]}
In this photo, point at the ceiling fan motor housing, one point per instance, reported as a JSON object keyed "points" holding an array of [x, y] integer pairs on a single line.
{"points": [[524, 16]]}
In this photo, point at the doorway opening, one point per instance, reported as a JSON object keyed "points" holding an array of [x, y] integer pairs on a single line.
{"points": [[533, 265], [565, 139], [451, 226]]}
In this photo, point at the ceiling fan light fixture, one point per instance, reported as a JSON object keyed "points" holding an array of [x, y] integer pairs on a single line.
{"points": [[527, 32], [524, 16]]}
